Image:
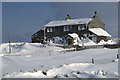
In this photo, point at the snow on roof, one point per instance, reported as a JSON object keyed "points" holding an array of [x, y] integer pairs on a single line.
{"points": [[68, 22], [86, 42], [99, 32], [74, 35]]}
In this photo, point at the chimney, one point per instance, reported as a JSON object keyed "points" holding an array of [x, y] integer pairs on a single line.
{"points": [[68, 17], [95, 15], [95, 12]]}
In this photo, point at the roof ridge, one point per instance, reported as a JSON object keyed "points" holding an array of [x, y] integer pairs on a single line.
{"points": [[68, 22], [73, 19]]}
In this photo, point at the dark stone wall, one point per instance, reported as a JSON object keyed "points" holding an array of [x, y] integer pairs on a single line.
{"points": [[58, 31]]}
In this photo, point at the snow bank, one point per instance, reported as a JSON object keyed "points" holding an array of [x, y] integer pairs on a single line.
{"points": [[57, 63], [26, 48], [37, 74], [71, 71], [66, 69], [102, 42]]}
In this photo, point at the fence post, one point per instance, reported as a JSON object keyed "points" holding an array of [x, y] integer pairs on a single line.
{"points": [[93, 61], [9, 47], [117, 56], [49, 52], [64, 52]]}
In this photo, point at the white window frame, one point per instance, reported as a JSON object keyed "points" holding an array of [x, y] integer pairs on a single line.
{"points": [[82, 27], [79, 27], [66, 28], [49, 29]]}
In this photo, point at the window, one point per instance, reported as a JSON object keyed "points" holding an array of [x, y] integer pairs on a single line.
{"points": [[49, 29], [85, 35], [108, 38], [66, 28], [37, 39], [82, 38], [79, 27], [83, 27], [94, 39]]}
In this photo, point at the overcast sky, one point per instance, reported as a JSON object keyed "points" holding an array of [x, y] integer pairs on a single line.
{"points": [[22, 19], [0, 22]]}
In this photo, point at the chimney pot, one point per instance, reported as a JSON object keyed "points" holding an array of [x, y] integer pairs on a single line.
{"points": [[95, 12]]}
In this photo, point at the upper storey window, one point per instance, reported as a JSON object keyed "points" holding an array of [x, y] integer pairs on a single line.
{"points": [[66, 28], [81, 27], [49, 29]]}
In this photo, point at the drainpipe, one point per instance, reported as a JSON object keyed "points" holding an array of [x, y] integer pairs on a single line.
{"points": [[44, 34]]}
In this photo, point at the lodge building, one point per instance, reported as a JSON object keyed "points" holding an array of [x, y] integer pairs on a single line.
{"points": [[93, 28]]}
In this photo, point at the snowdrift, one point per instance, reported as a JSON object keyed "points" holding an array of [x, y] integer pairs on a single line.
{"points": [[30, 60]]}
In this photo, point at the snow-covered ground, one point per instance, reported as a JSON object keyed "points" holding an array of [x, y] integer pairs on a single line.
{"points": [[32, 60]]}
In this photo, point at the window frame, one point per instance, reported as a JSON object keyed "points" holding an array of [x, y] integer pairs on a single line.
{"points": [[66, 28], [79, 27], [83, 27], [49, 29]]}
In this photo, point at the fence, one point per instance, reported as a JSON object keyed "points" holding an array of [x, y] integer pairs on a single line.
{"points": [[42, 52]]}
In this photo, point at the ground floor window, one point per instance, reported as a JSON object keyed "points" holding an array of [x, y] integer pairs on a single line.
{"points": [[94, 38], [108, 38]]}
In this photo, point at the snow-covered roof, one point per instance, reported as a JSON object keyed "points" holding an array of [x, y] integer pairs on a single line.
{"points": [[99, 32], [74, 35], [86, 42], [68, 22]]}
